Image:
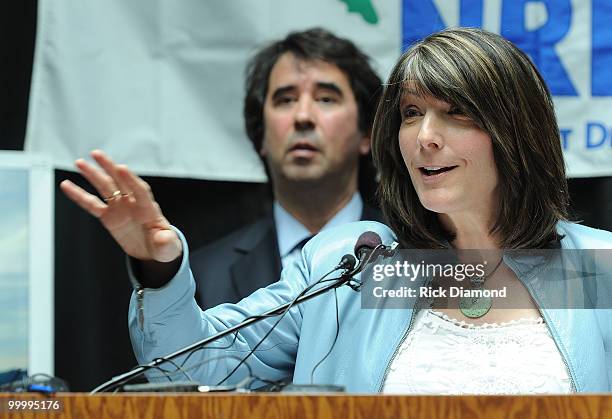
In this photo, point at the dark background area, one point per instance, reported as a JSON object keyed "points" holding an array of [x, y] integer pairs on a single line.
{"points": [[92, 289]]}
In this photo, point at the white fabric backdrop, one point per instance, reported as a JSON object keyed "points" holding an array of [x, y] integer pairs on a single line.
{"points": [[159, 84]]}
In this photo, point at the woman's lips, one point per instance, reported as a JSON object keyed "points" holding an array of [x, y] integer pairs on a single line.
{"points": [[431, 174]]}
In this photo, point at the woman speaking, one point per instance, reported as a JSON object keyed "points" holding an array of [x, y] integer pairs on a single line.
{"points": [[467, 146]]}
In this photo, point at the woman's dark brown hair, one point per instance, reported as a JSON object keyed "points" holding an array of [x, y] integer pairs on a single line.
{"points": [[496, 85]]}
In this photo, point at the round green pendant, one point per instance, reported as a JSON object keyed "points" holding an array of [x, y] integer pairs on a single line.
{"points": [[475, 307]]}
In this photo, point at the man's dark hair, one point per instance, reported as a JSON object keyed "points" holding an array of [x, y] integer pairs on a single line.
{"points": [[315, 44]]}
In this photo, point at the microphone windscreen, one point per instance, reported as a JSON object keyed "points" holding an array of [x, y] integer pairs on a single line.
{"points": [[348, 262], [367, 240]]}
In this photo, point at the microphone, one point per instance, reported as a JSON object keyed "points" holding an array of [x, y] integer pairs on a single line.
{"points": [[366, 243], [347, 262]]}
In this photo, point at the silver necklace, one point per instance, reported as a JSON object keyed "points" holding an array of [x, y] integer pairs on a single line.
{"points": [[475, 307]]}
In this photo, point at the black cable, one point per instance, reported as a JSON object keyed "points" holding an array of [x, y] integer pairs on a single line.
{"points": [[178, 368], [333, 343], [206, 361], [150, 367], [357, 284], [231, 343], [147, 367], [278, 383], [321, 280], [253, 350], [260, 316], [166, 375], [282, 315]]}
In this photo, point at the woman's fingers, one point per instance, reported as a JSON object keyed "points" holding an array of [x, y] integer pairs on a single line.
{"points": [[84, 199], [140, 189], [104, 184], [129, 212], [107, 164], [116, 183]]}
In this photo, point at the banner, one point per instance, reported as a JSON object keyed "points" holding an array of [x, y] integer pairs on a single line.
{"points": [[159, 85]]}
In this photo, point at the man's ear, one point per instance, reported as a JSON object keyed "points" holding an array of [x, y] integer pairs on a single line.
{"points": [[365, 145]]}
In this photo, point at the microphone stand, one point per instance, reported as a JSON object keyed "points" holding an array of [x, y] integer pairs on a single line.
{"points": [[125, 377]]}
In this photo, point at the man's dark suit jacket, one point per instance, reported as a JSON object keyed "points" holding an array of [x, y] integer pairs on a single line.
{"points": [[234, 266]]}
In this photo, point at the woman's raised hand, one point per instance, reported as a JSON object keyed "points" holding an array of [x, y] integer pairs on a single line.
{"points": [[127, 209]]}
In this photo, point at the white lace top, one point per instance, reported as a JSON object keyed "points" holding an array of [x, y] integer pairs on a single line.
{"points": [[444, 356]]}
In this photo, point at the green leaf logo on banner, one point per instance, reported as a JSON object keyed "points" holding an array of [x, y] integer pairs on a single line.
{"points": [[364, 8]]}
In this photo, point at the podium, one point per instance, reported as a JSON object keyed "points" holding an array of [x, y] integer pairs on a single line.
{"points": [[308, 406]]}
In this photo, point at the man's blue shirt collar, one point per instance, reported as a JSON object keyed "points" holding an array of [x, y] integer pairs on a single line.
{"points": [[290, 231]]}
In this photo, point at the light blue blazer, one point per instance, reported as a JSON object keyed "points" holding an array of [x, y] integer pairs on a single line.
{"points": [[166, 319]]}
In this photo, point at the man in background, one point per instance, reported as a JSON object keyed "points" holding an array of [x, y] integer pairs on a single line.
{"points": [[309, 105]]}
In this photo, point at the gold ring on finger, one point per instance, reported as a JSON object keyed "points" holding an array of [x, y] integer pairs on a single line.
{"points": [[114, 195]]}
